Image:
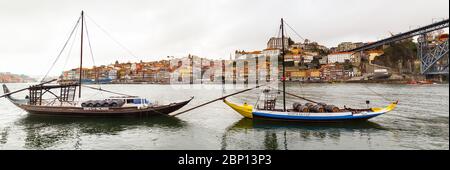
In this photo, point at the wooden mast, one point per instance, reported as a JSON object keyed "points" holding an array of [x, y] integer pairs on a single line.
{"points": [[81, 53], [284, 67]]}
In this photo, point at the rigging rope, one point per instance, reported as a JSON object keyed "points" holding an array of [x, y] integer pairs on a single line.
{"points": [[92, 54], [89, 42], [294, 31], [65, 44], [70, 50], [378, 94], [112, 38], [294, 95], [100, 89]]}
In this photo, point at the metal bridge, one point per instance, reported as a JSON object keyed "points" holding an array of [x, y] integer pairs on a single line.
{"points": [[429, 54]]}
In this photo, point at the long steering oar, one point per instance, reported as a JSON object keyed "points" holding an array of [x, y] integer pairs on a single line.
{"points": [[17, 91], [221, 98]]}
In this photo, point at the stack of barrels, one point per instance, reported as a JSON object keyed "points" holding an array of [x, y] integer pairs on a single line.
{"points": [[318, 108], [300, 108]]}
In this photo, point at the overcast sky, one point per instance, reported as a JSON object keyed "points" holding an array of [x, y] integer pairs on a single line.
{"points": [[32, 32]]}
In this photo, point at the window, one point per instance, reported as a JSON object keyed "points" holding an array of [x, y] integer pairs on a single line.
{"points": [[137, 101]]}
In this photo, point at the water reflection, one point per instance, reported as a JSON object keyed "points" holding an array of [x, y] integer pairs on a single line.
{"points": [[270, 141], [245, 123], [4, 135], [275, 135], [48, 131]]}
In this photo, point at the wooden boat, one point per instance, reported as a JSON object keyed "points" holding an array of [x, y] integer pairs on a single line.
{"points": [[290, 115], [306, 112], [64, 102], [78, 110]]}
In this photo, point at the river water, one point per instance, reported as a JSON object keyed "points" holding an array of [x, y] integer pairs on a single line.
{"points": [[421, 121]]}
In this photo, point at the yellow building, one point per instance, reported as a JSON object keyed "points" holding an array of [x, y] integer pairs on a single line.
{"points": [[373, 54], [298, 74], [314, 73]]}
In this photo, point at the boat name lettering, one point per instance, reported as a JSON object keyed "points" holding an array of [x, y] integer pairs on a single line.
{"points": [[298, 114], [95, 108]]}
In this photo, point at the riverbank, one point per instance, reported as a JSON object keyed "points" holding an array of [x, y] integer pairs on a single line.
{"points": [[312, 82], [383, 81]]}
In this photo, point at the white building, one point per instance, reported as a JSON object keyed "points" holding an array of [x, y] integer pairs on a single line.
{"points": [[308, 58], [72, 74], [339, 57], [277, 43], [247, 55], [112, 74], [271, 52], [323, 60]]}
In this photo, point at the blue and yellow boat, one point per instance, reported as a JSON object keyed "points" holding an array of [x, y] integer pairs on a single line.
{"points": [[306, 112], [347, 114]]}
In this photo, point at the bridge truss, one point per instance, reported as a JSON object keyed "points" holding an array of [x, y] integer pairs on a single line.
{"points": [[433, 56]]}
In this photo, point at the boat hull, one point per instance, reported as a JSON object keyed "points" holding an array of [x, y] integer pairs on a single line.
{"points": [[282, 117], [346, 115], [94, 111], [101, 111]]}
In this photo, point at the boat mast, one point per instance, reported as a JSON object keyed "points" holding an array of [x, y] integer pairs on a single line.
{"points": [[81, 53], [284, 67]]}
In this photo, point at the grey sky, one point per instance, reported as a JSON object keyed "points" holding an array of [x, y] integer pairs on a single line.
{"points": [[32, 32]]}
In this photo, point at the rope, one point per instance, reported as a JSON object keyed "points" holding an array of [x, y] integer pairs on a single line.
{"points": [[100, 89], [70, 49], [90, 50], [378, 94], [65, 44], [109, 35], [294, 31], [89, 42], [301, 88], [304, 98]]}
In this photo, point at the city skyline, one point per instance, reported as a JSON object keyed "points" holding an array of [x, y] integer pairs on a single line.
{"points": [[152, 30]]}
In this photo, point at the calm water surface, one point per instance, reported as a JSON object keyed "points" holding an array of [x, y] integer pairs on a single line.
{"points": [[421, 121]]}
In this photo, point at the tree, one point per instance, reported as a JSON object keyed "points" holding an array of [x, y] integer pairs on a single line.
{"points": [[348, 65], [315, 62], [290, 42], [400, 51]]}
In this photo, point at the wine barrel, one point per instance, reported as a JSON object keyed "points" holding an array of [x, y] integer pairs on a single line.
{"points": [[104, 103], [113, 104], [97, 104], [296, 106], [116, 103], [318, 108], [87, 103], [303, 108], [331, 108], [309, 105]]}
